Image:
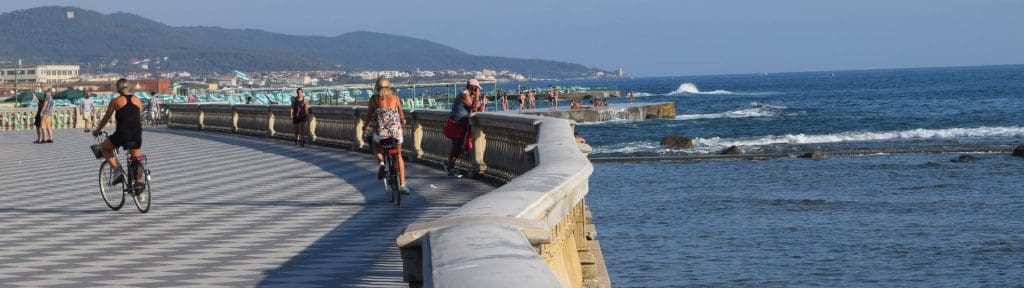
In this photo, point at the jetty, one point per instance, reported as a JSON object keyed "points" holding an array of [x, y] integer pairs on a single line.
{"points": [[617, 111]]}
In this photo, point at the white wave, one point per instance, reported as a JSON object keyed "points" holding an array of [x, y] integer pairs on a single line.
{"points": [[753, 110], [690, 88], [950, 133], [713, 145], [611, 121], [642, 94], [631, 147]]}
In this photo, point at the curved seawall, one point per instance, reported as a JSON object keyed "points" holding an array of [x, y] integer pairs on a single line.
{"points": [[532, 231]]}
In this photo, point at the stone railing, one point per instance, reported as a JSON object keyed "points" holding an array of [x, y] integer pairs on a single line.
{"points": [[532, 231], [63, 117]]}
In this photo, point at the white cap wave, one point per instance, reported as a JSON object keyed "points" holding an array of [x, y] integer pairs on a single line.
{"points": [[690, 88], [755, 109], [710, 145]]}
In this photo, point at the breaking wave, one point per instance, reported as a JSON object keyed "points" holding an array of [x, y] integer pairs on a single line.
{"points": [[755, 109], [949, 133], [712, 145], [690, 88]]}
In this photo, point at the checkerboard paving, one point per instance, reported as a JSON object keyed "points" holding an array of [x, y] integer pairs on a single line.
{"points": [[227, 211]]}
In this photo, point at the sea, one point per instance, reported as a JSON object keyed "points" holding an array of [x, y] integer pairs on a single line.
{"points": [[866, 220]]}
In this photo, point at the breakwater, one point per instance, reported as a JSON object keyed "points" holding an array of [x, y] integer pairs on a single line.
{"points": [[621, 111]]}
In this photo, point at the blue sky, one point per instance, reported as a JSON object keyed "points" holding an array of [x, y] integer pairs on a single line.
{"points": [[646, 38]]}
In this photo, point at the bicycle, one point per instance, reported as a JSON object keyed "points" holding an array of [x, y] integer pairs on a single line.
{"points": [[142, 195], [391, 170]]}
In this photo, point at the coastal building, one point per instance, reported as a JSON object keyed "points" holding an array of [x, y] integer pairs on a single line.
{"points": [[40, 74]]}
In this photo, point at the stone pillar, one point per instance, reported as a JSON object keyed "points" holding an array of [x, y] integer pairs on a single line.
{"points": [[311, 128], [270, 123], [199, 109], [479, 145], [234, 120], [360, 124], [417, 136]]}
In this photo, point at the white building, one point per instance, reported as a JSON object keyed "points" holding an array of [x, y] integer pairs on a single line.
{"points": [[40, 74]]}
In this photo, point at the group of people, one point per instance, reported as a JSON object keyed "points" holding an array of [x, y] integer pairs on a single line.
{"points": [[586, 103], [44, 113], [385, 119]]}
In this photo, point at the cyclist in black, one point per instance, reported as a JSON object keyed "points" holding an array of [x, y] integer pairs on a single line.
{"points": [[128, 134]]}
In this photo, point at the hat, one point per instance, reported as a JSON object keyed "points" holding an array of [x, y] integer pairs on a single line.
{"points": [[473, 82]]}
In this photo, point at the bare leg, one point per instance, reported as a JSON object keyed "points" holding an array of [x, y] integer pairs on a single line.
{"points": [[108, 153], [140, 175], [401, 167]]}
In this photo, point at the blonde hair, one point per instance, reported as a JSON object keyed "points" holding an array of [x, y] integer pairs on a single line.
{"points": [[381, 83], [383, 88], [386, 92]]}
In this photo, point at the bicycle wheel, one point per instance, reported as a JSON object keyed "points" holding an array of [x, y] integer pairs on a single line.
{"points": [[112, 195], [387, 187], [393, 182], [142, 196]]}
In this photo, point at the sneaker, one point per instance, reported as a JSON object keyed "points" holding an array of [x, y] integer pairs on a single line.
{"points": [[49, 141], [380, 171], [117, 177], [140, 195]]}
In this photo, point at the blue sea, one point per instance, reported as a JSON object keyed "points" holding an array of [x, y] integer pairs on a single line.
{"points": [[889, 220]]}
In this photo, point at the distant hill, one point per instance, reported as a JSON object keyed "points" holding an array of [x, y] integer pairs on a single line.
{"points": [[46, 35]]}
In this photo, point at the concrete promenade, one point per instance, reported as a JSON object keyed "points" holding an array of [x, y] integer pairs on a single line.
{"points": [[227, 210]]}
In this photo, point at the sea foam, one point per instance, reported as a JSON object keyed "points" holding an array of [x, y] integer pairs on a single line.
{"points": [[715, 144], [690, 88], [949, 133], [755, 109]]}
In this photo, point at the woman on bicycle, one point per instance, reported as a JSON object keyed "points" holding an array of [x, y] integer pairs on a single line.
{"points": [[128, 134], [300, 116], [386, 119]]}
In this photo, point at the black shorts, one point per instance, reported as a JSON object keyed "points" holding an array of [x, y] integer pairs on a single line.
{"points": [[300, 119], [126, 140], [39, 121]]}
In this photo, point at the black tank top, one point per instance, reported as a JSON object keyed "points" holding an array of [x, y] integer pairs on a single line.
{"points": [[128, 117]]}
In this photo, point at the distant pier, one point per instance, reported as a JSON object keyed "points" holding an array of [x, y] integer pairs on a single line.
{"points": [[618, 111]]}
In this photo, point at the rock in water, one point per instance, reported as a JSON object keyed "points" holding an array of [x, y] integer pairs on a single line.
{"points": [[963, 159], [813, 155], [676, 142], [1019, 151], [732, 150]]}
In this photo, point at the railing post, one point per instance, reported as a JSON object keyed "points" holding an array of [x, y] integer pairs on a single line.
{"points": [[234, 119], [417, 135], [199, 109], [359, 133], [311, 128], [479, 144], [270, 122]]}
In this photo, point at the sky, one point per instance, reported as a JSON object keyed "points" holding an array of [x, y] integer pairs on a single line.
{"points": [[644, 37]]}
